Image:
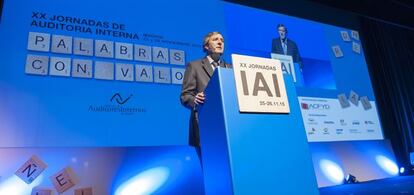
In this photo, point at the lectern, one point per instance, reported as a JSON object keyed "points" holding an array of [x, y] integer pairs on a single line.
{"points": [[252, 153]]}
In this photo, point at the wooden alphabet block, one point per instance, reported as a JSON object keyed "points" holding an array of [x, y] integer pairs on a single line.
{"points": [[63, 180], [83, 191], [42, 191], [31, 169]]}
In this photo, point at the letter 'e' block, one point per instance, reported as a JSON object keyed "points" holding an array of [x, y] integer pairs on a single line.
{"points": [[83, 191], [63, 180], [31, 169]]}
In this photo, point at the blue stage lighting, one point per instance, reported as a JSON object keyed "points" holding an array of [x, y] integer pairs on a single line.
{"points": [[387, 165], [402, 170], [332, 171], [15, 185], [147, 182]]}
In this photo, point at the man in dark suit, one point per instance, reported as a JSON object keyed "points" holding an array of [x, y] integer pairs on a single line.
{"points": [[196, 77], [285, 46]]}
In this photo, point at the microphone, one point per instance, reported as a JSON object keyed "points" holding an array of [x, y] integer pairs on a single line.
{"points": [[224, 62]]}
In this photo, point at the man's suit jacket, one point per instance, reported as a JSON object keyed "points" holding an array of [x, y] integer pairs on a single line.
{"points": [[292, 50], [196, 77]]}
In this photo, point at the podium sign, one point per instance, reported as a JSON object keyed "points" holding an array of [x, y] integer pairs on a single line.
{"points": [[260, 85]]}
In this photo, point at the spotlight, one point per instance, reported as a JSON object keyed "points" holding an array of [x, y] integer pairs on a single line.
{"points": [[402, 170], [332, 171], [350, 179], [147, 182], [387, 164]]}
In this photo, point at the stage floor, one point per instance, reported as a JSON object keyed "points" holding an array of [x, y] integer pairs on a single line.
{"points": [[395, 185]]}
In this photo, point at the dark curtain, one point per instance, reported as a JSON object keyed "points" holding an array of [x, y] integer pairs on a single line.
{"points": [[389, 50], [1, 9]]}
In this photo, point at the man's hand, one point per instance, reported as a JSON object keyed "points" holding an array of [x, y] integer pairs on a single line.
{"points": [[199, 98]]}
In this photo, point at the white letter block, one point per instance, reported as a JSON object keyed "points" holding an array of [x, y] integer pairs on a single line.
{"points": [[124, 51], [124, 72], [31, 169], [104, 70], [60, 66], [104, 49], [177, 57], [143, 73], [82, 68], [177, 75], [61, 44], [162, 74], [142, 53], [160, 55], [36, 64], [38, 41], [83, 46]]}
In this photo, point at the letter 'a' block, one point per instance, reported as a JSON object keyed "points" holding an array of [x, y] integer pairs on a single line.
{"points": [[31, 169], [83, 191], [143, 73], [63, 180], [41, 191], [160, 55]]}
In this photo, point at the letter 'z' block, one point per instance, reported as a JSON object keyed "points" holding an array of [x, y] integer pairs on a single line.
{"points": [[41, 191], [31, 169], [63, 180], [83, 191]]}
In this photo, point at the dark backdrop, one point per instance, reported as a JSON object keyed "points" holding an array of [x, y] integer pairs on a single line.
{"points": [[390, 53], [1, 9]]}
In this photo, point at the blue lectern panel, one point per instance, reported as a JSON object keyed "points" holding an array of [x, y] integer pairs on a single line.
{"points": [[265, 153]]}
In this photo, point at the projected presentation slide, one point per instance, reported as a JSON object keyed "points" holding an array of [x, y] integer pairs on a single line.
{"points": [[74, 74], [327, 64], [80, 76]]}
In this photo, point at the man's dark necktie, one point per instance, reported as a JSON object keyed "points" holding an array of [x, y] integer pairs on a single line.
{"points": [[215, 64]]}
